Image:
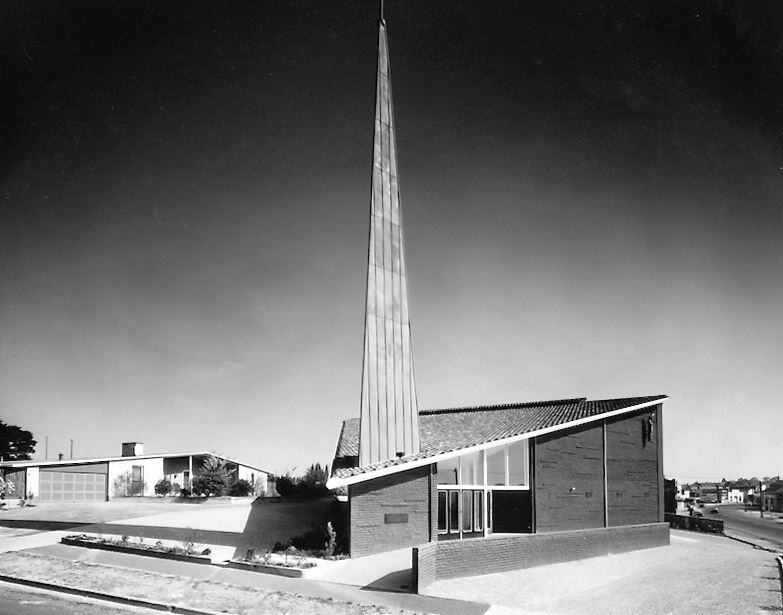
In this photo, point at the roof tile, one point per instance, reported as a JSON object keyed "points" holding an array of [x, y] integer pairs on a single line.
{"points": [[452, 429]]}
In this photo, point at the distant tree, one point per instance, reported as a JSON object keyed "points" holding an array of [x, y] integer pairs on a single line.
{"points": [[316, 475], [16, 444], [284, 485], [311, 484]]}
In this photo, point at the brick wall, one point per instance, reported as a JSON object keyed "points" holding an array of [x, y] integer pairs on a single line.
{"points": [[569, 480], [423, 566], [460, 558], [632, 470], [391, 512]]}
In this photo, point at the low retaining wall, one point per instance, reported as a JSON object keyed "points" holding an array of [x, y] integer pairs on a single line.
{"points": [[459, 558], [695, 524]]}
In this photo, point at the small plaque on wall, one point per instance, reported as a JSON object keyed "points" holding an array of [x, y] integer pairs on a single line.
{"points": [[395, 518]]}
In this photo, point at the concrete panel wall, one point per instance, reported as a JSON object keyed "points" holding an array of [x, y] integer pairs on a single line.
{"points": [[33, 481], [632, 465], [568, 479], [258, 479], [118, 470], [390, 512]]}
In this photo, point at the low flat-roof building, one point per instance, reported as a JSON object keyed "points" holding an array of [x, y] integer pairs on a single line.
{"points": [[103, 478]]}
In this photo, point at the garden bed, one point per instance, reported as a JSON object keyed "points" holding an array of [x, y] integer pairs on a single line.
{"points": [[281, 571], [291, 563], [157, 550]]}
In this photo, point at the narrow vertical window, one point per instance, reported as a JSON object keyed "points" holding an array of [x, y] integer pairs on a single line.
{"points": [[453, 511], [467, 510], [478, 510], [442, 506], [496, 466], [518, 464]]}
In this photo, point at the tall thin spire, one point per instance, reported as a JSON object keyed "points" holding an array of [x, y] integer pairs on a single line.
{"points": [[389, 416]]}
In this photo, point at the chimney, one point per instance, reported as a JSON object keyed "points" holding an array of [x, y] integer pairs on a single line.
{"points": [[132, 449]]}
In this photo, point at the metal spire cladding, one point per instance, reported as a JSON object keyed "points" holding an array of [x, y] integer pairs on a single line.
{"points": [[389, 419]]}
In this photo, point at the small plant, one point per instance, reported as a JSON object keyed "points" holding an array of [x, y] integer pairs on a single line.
{"points": [[163, 487], [240, 488], [7, 487], [331, 542], [188, 540], [185, 492]]}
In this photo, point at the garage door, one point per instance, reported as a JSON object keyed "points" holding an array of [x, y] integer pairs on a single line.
{"points": [[71, 487]]}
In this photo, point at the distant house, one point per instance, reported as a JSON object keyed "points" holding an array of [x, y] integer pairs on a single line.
{"points": [[105, 478], [738, 491], [773, 496]]}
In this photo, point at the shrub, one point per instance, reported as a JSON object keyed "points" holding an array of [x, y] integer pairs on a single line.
{"points": [[285, 486], [185, 493], [163, 487], [302, 487], [214, 477], [199, 486], [240, 488]]}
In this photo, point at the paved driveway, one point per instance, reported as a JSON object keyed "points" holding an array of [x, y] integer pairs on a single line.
{"points": [[696, 574]]}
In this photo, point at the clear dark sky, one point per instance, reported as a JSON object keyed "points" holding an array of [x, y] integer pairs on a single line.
{"points": [[591, 190]]}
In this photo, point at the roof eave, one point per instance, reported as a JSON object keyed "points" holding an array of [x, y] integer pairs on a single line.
{"points": [[336, 482]]}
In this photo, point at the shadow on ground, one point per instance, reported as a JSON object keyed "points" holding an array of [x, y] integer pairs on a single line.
{"points": [[273, 520]]}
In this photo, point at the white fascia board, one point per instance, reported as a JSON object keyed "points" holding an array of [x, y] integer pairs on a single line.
{"points": [[71, 462], [334, 482]]}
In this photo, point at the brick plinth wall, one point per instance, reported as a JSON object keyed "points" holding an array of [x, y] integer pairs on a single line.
{"points": [[391, 512], [459, 558]]}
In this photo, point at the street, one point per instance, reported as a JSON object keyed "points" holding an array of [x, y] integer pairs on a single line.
{"points": [[16, 600], [749, 523]]}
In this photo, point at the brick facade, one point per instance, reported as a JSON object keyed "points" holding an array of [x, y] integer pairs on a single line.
{"points": [[391, 512], [604, 474], [632, 470], [569, 471], [458, 558], [569, 480]]}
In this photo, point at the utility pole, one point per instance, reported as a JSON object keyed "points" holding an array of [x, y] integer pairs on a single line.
{"points": [[71, 448]]}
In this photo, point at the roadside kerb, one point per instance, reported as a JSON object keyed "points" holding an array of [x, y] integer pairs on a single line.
{"points": [[750, 542], [779, 560], [88, 593]]}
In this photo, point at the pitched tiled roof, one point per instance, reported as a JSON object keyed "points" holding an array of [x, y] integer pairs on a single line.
{"points": [[448, 430]]}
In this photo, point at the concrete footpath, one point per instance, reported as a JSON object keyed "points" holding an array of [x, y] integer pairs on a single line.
{"points": [[153, 579], [696, 574]]}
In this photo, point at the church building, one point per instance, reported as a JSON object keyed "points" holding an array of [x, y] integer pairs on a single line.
{"points": [[489, 488]]}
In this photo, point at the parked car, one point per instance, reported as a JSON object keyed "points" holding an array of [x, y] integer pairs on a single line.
{"points": [[714, 511], [698, 514]]}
